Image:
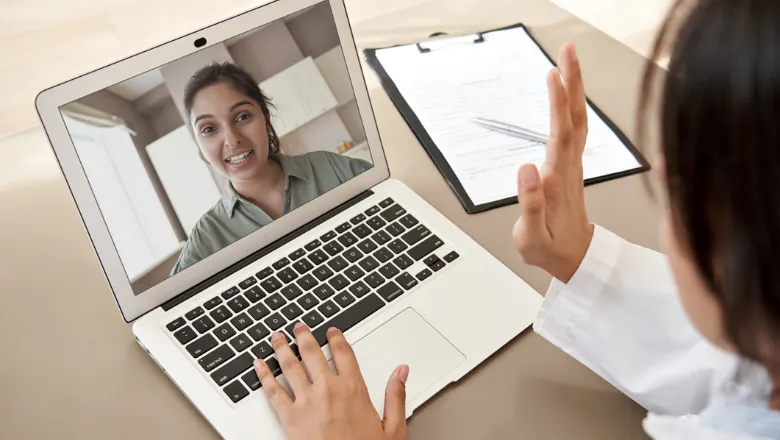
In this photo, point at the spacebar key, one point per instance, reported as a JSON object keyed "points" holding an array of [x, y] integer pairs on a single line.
{"points": [[350, 317], [426, 247]]}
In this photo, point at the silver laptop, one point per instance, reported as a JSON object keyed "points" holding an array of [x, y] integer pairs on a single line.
{"points": [[167, 153]]}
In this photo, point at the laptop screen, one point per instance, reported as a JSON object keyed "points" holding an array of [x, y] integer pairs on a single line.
{"points": [[189, 158]]}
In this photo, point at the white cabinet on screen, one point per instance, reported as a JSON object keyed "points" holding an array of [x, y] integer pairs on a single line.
{"points": [[299, 94]]}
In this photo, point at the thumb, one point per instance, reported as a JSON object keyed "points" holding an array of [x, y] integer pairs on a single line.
{"points": [[395, 403], [531, 198]]}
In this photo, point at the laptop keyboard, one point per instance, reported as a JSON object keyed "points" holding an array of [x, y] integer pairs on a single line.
{"points": [[336, 280]]}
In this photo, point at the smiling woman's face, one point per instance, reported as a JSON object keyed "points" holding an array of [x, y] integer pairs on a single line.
{"points": [[231, 131]]}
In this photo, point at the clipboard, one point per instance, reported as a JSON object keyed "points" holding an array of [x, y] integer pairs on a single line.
{"points": [[436, 154]]}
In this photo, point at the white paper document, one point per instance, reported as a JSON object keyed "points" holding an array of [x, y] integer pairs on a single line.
{"points": [[502, 78]]}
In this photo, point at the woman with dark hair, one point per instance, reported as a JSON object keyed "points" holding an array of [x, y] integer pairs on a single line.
{"points": [[231, 120], [693, 336]]}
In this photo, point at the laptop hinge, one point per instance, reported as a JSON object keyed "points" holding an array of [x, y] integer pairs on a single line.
{"points": [[214, 279]]}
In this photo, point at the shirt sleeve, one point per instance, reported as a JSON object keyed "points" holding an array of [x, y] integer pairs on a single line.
{"points": [[621, 317], [190, 253]]}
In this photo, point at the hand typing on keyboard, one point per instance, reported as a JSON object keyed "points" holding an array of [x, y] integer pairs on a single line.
{"points": [[331, 405]]}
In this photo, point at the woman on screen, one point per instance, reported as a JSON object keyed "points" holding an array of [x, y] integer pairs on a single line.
{"points": [[231, 120]]}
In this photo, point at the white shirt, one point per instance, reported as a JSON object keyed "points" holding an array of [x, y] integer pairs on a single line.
{"points": [[621, 317]]}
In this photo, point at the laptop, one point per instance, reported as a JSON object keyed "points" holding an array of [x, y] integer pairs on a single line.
{"points": [[204, 275]]}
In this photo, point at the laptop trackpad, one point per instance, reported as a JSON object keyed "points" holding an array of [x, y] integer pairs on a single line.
{"points": [[405, 339]]}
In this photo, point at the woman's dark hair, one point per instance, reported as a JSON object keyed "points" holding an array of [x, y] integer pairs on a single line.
{"points": [[240, 80], [720, 139]]}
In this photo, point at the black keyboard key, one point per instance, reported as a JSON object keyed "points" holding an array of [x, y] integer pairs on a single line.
{"points": [[274, 366], [292, 291], [241, 343], [357, 219], [233, 291], [390, 291], [369, 263], [291, 311], [203, 324], [241, 321], [259, 311], [403, 262], [389, 271], [318, 257], [290, 329], [262, 350], [397, 246], [303, 266], [333, 248], [251, 380], [372, 210], [374, 280], [392, 213], [281, 263], [201, 346], [287, 275], [213, 302], [359, 289], [415, 235], [338, 264], [265, 273], [452, 256], [238, 304], [297, 254], [381, 237], [323, 291], [275, 301], [367, 246], [338, 282], [395, 229], [313, 245], [424, 274], [185, 335], [307, 282], [224, 331], [254, 294], [328, 308], [406, 281], [352, 254], [347, 239], [258, 332], [408, 221], [434, 262], [323, 273], [362, 231], [175, 324], [232, 369], [383, 255], [313, 319], [296, 351], [354, 273], [330, 235], [344, 299], [220, 314], [272, 284], [438, 265], [275, 321], [350, 317], [194, 313], [386, 202], [376, 223], [343, 227], [308, 301], [247, 283], [429, 245], [216, 358], [235, 391]]}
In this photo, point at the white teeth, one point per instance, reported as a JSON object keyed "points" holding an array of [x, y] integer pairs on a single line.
{"points": [[238, 158]]}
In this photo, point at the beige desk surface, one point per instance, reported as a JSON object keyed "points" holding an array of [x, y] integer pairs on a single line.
{"points": [[70, 368]]}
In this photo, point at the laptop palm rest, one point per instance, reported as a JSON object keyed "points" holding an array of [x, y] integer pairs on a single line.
{"points": [[405, 339]]}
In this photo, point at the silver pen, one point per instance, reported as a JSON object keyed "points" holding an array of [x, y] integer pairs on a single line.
{"points": [[511, 130]]}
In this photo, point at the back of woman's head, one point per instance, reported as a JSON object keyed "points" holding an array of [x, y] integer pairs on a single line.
{"points": [[720, 136]]}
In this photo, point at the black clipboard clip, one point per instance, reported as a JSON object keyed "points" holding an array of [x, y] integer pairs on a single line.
{"points": [[479, 38]]}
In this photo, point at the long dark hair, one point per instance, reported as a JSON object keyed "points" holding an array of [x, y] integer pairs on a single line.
{"points": [[720, 138], [239, 79]]}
